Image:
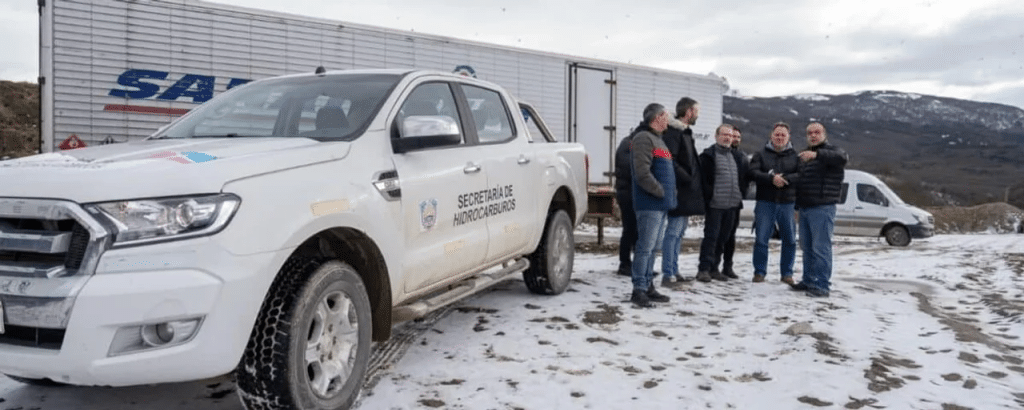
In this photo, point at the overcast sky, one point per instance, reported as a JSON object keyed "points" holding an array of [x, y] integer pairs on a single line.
{"points": [[971, 49]]}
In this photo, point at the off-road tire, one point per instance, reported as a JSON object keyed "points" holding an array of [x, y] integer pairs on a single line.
{"points": [[897, 235], [311, 303], [551, 264], [36, 382]]}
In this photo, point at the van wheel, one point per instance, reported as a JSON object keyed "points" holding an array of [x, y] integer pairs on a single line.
{"points": [[551, 264], [897, 235], [310, 346]]}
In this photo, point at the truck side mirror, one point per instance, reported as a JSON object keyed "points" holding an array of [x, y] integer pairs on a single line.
{"points": [[426, 131]]}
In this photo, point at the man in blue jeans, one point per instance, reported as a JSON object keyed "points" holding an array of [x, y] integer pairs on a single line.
{"points": [[818, 189], [654, 193], [689, 194], [775, 169]]}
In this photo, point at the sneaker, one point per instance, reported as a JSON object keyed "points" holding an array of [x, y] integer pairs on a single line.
{"points": [[703, 276], [758, 278], [654, 296], [719, 276], [727, 272], [788, 280], [799, 287], [625, 271], [641, 300], [816, 293]]}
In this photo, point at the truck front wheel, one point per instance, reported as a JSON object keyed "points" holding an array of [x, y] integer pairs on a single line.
{"points": [[551, 264], [311, 343]]}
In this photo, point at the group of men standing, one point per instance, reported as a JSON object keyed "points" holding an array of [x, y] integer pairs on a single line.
{"points": [[661, 181]]}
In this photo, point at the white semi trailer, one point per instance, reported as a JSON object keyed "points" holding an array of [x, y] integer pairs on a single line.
{"points": [[115, 71]]}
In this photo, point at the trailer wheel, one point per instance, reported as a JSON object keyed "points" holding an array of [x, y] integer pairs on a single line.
{"points": [[551, 264], [897, 235], [311, 344], [36, 382]]}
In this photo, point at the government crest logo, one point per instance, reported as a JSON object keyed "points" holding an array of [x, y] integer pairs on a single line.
{"points": [[428, 214]]}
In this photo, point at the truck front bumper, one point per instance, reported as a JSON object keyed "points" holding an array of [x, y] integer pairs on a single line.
{"points": [[146, 285]]}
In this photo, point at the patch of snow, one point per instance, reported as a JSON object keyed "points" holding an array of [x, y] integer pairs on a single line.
{"points": [[794, 111], [906, 96], [735, 118], [916, 327], [812, 97]]}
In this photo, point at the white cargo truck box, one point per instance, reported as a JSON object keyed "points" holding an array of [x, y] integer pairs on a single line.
{"points": [[115, 70]]}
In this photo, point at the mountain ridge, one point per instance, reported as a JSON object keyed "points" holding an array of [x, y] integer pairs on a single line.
{"points": [[933, 150]]}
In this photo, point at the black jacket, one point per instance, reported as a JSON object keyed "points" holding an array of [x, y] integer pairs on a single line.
{"points": [[689, 190], [624, 166], [766, 164], [707, 170], [821, 179]]}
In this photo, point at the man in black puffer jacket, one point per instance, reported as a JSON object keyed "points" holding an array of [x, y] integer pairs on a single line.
{"points": [[690, 196], [818, 189], [776, 170]]}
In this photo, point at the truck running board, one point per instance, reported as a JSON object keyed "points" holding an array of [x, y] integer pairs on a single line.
{"points": [[458, 291]]}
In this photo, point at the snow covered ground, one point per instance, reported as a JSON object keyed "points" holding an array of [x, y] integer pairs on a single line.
{"points": [[936, 325]]}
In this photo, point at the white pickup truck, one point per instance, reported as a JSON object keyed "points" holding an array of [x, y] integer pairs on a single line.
{"points": [[279, 229]]}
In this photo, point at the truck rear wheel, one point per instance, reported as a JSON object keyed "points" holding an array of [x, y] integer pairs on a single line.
{"points": [[311, 343], [897, 235], [551, 264]]}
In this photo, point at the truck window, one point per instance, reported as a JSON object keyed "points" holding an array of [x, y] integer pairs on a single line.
{"points": [[431, 100], [842, 193], [869, 194], [490, 115]]}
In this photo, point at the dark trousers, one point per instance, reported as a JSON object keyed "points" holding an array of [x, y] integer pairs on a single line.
{"points": [[718, 223], [629, 232], [730, 243]]}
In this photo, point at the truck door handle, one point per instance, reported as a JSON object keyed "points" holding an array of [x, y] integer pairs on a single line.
{"points": [[523, 160], [858, 207], [471, 168]]}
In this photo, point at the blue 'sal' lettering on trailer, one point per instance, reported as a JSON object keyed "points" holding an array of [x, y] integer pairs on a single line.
{"points": [[136, 85]]}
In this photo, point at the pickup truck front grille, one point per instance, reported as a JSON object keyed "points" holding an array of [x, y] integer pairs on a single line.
{"points": [[37, 247], [48, 251]]}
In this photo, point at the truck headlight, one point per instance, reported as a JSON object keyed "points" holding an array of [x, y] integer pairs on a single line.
{"points": [[150, 220]]}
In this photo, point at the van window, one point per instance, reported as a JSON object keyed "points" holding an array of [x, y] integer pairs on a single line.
{"points": [[842, 193], [869, 194]]}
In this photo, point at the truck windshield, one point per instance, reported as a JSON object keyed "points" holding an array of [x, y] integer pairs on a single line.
{"points": [[325, 108]]}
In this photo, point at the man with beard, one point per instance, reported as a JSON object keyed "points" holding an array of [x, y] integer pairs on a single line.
{"points": [[689, 195]]}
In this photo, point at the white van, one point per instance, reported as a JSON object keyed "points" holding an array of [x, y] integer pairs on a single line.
{"points": [[872, 210]]}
